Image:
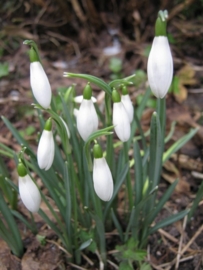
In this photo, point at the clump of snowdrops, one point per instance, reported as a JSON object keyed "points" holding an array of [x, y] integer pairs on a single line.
{"points": [[86, 155]]}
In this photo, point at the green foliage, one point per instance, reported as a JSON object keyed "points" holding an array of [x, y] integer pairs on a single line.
{"points": [[4, 69], [115, 65], [129, 253]]}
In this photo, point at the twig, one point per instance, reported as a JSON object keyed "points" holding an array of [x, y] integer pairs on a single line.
{"points": [[112, 264], [170, 237], [87, 259], [192, 240], [180, 244]]}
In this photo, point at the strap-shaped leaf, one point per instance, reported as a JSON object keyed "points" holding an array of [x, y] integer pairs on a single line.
{"points": [[178, 144], [138, 173], [169, 220], [104, 86], [155, 151], [161, 203]]}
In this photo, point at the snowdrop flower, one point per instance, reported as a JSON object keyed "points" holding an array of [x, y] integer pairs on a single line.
{"points": [[29, 192], [125, 98], [79, 99], [102, 177], [86, 117], [38, 79], [160, 62], [121, 120], [46, 149]]}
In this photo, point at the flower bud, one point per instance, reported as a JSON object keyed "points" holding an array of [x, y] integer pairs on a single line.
{"points": [[121, 120], [46, 148], [102, 177], [87, 119], [160, 62], [125, 98], [29, 192], [39, 82]]}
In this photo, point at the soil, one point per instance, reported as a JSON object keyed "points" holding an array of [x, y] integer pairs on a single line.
{"points": [[76, 44]]}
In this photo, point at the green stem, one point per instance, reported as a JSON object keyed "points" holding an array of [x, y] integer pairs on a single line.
{"points": [[128, 179]]}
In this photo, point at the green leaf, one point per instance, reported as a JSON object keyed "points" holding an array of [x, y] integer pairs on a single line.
{"points": [[125, 81], [93, 136], [169, 220], [125, 266], [155, 151], [104, 86], [117, 224], [163, 200], [85, 244], [118, 183], [4, 69], [196, 201], [178, 144], [138, 173]]}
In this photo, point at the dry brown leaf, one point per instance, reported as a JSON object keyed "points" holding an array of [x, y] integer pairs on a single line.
{"points": [[182, 93]]}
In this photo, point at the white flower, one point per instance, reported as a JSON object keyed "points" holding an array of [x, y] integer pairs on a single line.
{"points": [[160, 67], [40, 84], [121, 121], [80, 98], [128, 106], [29, 193], [102, 179], [66, 127], [46, 149], [87, 119]]}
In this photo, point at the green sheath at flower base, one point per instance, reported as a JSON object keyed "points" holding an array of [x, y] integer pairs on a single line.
{"points": [[48, 125], [124, 90], [97, 151], [160, 26], [115, 96], [87, 93], [21, 169], [33, 55]]}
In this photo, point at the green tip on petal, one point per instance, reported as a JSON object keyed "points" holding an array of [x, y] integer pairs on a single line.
{"points": [[87, 93], [33, 55], [160, 26], [115, 96], [48, 124], [124, 90], [21, 169], [97, 151]]}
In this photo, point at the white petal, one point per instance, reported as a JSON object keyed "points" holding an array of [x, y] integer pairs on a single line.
{"points": [[102, 179], [46, 149], [75, 112], [29, 193], [87, 119], [66, 127], [40, 84], [128, 106], [160, 67], [79, 99], [121, 121]]}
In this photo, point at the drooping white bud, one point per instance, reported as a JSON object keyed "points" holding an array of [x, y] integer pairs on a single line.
{"points": [[102, 179], [87, 119], [160, 66], [40, 84], [121, 121], [128, 106], [29, 193], [46, 149]]}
